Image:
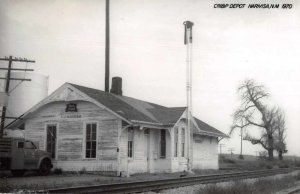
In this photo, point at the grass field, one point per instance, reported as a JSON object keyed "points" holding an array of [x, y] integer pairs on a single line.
{"points": [[258, 186], [227, 161]]}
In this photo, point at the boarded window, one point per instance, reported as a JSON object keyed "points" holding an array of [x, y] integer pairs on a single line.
{"points": [[163, 143], [130, 142], [182, 142], [91, 140], [176, 142], [51, 140]]}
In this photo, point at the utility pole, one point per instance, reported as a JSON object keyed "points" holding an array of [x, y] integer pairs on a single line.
{"points": [[188, 40], [231, 151], [10, 60], [241, 154], [107, 46]]}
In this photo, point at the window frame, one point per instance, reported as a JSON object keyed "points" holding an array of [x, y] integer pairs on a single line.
{"points": [[56, 138], [183, 140], [85, 139], [19, 143], [132, 143], [165, 144], [176, 142]]}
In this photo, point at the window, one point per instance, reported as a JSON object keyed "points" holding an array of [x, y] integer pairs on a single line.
{"points": [[20, 144], [163, 143], [182, 142], [91, 140], [51, 140], [175, 142], [130, 142]]}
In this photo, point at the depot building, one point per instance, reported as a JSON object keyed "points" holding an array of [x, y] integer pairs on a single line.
{"points": [[92, 130]]}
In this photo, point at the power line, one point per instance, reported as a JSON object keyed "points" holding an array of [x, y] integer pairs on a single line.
{"points": [[10, 60]]}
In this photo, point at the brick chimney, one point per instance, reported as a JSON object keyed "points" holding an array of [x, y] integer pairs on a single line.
{"points": [[116, 86]]}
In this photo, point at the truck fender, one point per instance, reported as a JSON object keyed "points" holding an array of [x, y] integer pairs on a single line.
{"points": [[44, 158]]}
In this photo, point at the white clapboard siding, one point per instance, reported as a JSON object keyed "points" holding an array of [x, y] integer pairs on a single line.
{"points": [[71, 136], [205, 154]]}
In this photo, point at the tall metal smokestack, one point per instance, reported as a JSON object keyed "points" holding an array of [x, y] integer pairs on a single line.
{"points": [[107, 48], [188, 40]]}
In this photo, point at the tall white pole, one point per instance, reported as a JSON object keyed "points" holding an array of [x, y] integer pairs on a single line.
{"points": [[188, 39]]}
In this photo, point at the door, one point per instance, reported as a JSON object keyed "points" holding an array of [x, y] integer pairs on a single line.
{"points": [[147, 148], [30, 155], [51, 140]]}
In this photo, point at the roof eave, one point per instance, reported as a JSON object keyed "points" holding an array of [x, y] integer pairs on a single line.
{"points": [[212, 134], [151, 124]]}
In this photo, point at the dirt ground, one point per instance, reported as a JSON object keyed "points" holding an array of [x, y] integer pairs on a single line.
{"points": [[31, 181]]}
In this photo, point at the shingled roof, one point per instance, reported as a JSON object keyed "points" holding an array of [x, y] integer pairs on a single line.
{"points": [[133, 109], [137, 110]]}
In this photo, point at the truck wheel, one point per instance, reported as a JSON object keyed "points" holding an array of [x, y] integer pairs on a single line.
{"points": [[45, 168], [18, 173]]}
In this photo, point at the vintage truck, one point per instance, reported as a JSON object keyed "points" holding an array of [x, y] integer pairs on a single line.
{"points": [[19, 155]]}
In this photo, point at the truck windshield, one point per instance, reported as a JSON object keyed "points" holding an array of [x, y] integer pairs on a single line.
{"points": [[29, 145], [20, 144]]}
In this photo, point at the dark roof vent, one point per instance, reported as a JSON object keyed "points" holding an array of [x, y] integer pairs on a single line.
{"points": [[116, 86]]}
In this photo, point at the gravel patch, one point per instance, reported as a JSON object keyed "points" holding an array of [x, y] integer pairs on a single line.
{"points": [[196, 189]]}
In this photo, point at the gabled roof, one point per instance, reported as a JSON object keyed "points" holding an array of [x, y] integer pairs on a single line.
{"points": [[129, 109], [133, 109], [205, 128], [136, 110]]}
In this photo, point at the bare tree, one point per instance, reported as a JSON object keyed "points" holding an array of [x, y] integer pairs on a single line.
{"points": [[253, 111], [280, 134]]}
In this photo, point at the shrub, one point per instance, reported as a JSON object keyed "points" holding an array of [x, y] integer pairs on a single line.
{"points": [[297, 163], [263, 155], [4, 186], [266, 164], [82, 171], [221, 157], [269, 166], [283, 165], [231, 161], [57, 171], [237, 187]]}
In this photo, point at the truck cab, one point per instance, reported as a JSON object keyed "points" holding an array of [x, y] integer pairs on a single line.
{"points": [[19, 155]]}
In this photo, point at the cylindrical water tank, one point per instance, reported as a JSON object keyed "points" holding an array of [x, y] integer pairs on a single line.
{"points": [[25, 94]]}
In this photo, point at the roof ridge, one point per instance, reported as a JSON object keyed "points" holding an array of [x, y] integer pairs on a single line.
{"points": [[96, 92], [122, 96]]}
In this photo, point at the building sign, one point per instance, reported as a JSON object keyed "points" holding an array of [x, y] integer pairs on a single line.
{"points": [[198, 138], [71, 116], [71, 107]]}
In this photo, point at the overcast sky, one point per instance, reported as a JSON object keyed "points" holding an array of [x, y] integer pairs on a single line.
{"points": [[67, 39]]}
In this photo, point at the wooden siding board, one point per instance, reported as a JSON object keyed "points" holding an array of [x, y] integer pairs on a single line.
{"points": [[108, 140], [70, 127], [70, 132]]}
